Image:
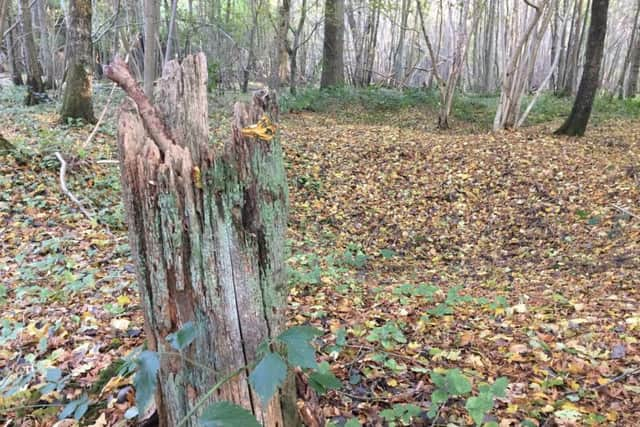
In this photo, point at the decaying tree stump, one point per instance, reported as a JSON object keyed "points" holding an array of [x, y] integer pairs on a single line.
{"points": [[207, 232]]}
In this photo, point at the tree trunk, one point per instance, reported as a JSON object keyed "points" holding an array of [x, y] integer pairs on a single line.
{"points": [[4, 6], [77, 102], [634, 45], [207, 233], [11, 45], [34, 71], [279, 71], [332, 51], [631, 86], [576, 123], [46, 53], [151, 24], [171, 35], [398, 63], [293, 51]]}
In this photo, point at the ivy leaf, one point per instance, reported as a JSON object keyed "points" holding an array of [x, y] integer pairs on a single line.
{"points": [[323, 379], [225, 414], [267, 376], [146, 379], [185, 336], [299, 350]]}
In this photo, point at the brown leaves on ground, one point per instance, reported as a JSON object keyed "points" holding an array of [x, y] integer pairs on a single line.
{"points": [[511, 254], [523, 219]]}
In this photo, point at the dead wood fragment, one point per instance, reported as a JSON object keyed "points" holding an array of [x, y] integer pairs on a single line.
{"points": [[118, 72]]}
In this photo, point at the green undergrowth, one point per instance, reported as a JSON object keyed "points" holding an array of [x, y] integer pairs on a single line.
{"points": [[374, 104]]}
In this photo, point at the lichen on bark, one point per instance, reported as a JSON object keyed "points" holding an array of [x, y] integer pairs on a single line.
{"points": [[209, 251]]}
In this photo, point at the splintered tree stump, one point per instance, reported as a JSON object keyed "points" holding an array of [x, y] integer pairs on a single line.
{"points": [[207, 233]]}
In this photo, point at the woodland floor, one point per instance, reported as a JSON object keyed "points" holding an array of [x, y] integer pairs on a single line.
{"points": [[416, 250]]}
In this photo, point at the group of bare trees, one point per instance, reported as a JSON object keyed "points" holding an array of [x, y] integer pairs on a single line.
{"points": [[514, 48]]}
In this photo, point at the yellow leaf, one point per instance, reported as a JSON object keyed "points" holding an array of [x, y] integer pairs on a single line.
{"points": [[124, 300], [392, 382], [512, 408]]}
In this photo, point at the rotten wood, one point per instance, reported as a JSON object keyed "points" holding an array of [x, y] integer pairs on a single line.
{"points": [[207, 233]]}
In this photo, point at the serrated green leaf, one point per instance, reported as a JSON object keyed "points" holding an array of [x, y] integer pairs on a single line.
{"points": [[499, 387], [323, 379], [304, 333], [478, 406], [185, 336], [299, 351], [268, 375], [225, 414], [457, 383], [145, 380], [439, 396]]}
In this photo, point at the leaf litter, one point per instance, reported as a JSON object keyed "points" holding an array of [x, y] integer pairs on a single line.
{"points": [[514, 255]]}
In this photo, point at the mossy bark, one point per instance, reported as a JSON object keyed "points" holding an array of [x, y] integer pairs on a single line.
{"points": [[207, 232], [77, 102]]}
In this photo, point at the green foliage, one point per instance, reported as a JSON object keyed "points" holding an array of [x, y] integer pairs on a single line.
{"points": [[454, 384], [225, 414], [268, 375], [185, 336], [402, 413], [388, 335], [77, 408], [354, 256], [146, 378], [478, 406], [299, 350], [322, 379]]}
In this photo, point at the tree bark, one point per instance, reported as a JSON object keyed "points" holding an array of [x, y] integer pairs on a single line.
{"points": [[11, 46], [398, 63], [634, 46], [293, 50], [279, 71], [46, 53], [631, 85], [77, 102], [34, 70], [576, 123], [333, 45], [207, 233], [4, 6], [171, 35], [151, 25]]}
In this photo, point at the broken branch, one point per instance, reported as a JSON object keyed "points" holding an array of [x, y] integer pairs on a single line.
{"points": [[118, 72], [65, 190]]}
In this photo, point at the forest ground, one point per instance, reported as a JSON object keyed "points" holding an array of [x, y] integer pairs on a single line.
{"points": [[511, 254]]}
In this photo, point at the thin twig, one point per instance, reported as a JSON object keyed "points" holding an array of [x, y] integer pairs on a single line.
{"points": [[617, 379], [107, 162], [65, 190], [626, 211], [104, 111]]}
